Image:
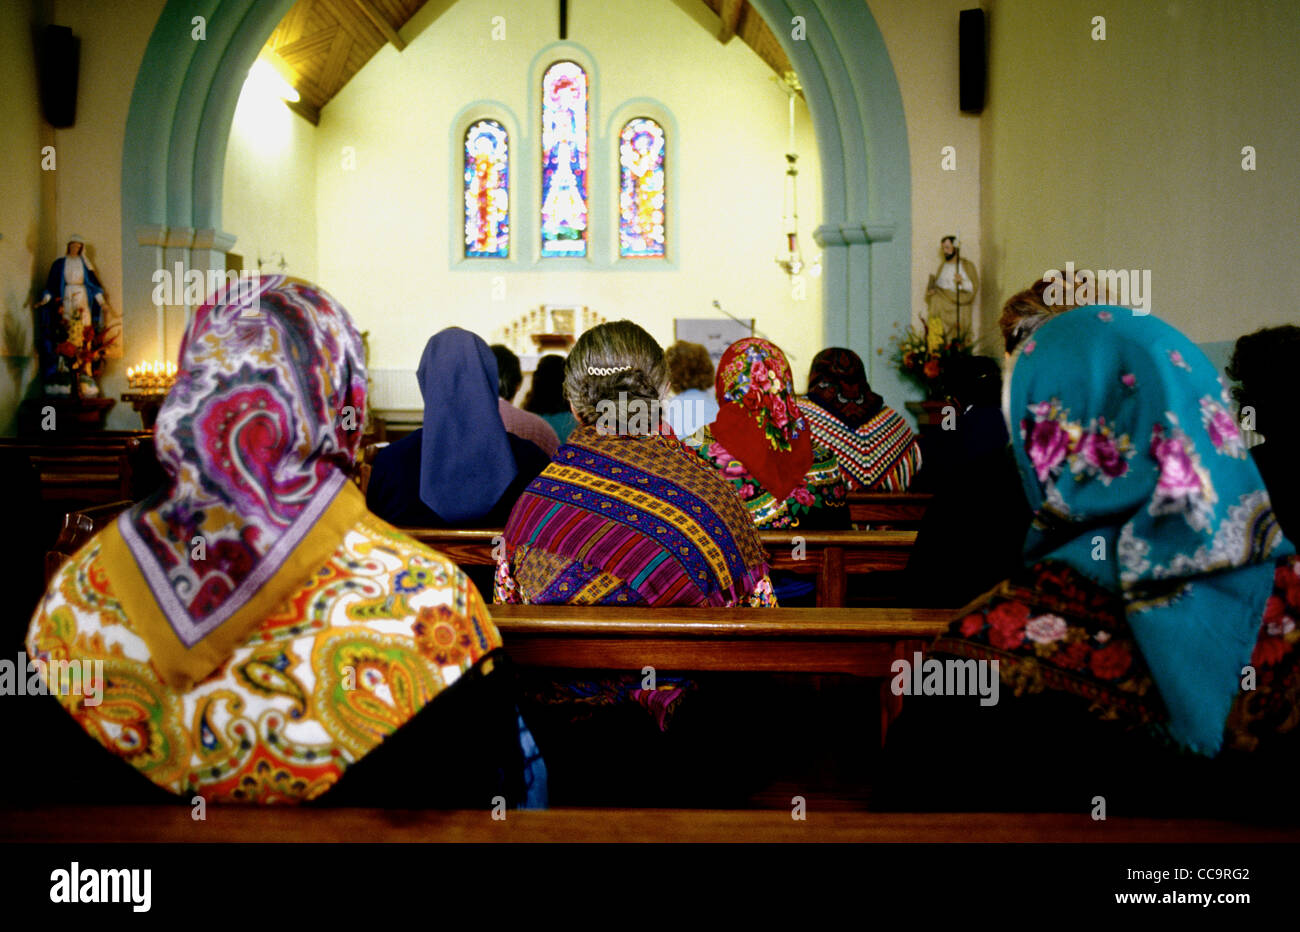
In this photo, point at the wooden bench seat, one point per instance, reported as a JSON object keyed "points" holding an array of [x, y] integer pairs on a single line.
{"points": [[174, 825], [829, 555], [856, 641]]}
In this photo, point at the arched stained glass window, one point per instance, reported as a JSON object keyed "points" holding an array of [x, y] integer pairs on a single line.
{"points": [[641, 189], [564, 160], [487, 191]]}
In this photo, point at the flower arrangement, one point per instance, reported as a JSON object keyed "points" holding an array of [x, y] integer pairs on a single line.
{"points": [[924, 353], [82, 349]]}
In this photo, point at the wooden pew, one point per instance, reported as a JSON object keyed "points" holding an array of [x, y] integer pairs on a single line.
{"points": [[856, 641], [834, 555], [80, 473], [275, 824], [829, 555], [365, 463], [888, 510]]}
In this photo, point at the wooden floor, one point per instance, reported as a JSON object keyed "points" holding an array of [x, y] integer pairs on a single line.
{"points": [[239, 824]]}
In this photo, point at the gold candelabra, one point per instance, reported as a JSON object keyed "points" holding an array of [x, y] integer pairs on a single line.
{"points": [[151, 377]]}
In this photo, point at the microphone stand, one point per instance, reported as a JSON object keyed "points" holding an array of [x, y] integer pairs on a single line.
{"points": [[752, 332]]}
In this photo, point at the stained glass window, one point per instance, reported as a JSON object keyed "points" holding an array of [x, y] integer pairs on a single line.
{"points": [[564, 160], [641, 189], [487, 191]]}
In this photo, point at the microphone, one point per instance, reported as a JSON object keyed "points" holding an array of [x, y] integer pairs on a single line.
{"points": [[750, 324]]}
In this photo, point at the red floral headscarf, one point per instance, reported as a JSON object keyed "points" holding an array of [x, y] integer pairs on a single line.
{"points": [[759, 421]]}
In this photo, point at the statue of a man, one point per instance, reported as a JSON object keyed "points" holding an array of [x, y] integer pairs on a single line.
{"points": [[955, 279], [72, 316]]}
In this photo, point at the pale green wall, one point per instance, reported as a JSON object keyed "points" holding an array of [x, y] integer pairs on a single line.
{"points": [[1126, 153], [387, 247]]}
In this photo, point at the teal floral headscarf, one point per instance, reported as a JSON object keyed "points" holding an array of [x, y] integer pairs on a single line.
{"points": [[1139, 480]]}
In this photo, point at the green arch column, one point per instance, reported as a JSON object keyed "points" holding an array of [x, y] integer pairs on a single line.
{"points": [[173, 158], [866, 223]]}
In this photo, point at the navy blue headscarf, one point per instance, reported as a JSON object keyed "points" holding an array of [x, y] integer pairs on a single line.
{"points": [[465, 459]]}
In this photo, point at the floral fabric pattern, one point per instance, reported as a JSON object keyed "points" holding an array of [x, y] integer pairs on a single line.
{"points": [[1051, 439], [1138, 480], [374, 635], [1051, 628], [823, 486], [763, 384]]}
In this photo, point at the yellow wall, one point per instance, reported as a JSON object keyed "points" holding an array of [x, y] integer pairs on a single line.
{"points": [[26, 196], [1126, 153], [269, 188], [385, 243], [1117, 154], [84, 194]]}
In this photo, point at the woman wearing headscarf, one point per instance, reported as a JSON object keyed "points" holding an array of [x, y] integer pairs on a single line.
{"points": [[762, 444], [546, 399], [627, 515], [624, 514], [876, 449], [461, 468], [259, 635], [1153, 624]]}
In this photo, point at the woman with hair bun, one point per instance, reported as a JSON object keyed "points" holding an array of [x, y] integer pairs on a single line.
{"points": [[624, 514]]}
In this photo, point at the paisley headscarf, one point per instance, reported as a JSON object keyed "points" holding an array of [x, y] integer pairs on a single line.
{"points": [[1139, 480], [837, 382], [759, 420], [465, 458], [256, 436]]}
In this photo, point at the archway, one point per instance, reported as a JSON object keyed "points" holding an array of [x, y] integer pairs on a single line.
{"points": [[186, 91]]}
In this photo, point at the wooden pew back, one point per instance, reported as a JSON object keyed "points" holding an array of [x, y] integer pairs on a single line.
{"points": [[828, 555], [888, 510]]}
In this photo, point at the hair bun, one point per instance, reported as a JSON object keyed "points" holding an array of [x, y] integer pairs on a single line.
{"points": [[603, 370]]}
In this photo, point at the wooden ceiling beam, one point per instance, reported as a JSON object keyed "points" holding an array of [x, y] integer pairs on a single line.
{"points": [[381, 23], [305, 109], [730, 16]]}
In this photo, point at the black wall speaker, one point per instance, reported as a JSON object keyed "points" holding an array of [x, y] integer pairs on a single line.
{"points": [[59, 61], [973, 61]]}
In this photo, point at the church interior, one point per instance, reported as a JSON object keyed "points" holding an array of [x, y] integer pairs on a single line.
{"points": [[337, 212]]}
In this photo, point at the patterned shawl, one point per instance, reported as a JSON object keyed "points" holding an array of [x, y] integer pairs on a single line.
{"points": [[837, 382], [465, 459], [759, 422], [880, 454], [1139, 480], [256, 437], [621, 519]]}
